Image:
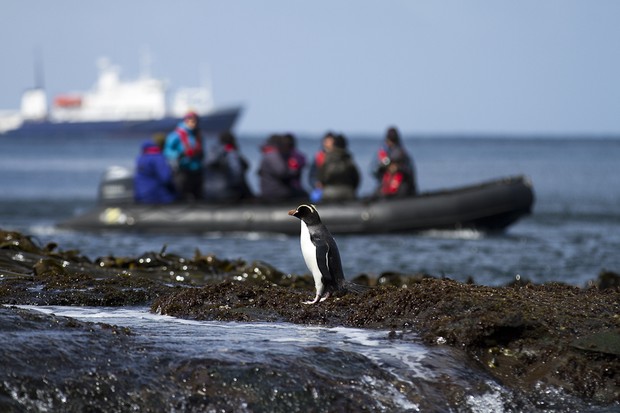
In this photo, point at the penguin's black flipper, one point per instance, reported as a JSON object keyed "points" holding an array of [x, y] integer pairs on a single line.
{"points": [[335, 265], [322, 259]]}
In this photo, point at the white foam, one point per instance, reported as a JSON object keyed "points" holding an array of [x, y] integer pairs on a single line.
{"points": [[383, 390], [468, 234], [249, 236], [490, 402], [403, 359]]}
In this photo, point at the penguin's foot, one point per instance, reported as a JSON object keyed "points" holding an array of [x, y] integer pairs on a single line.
{"points": [[316, 300]]}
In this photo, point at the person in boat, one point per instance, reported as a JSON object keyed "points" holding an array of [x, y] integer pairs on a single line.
{"points": [[396, 182], [338, 176], [327, 144], [154, 179], [394, 167], [184, 151], [296, 161], [224, 171], [275, 176]]}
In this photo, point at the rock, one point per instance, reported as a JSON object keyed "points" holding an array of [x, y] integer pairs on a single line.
{"points": [[523, 334]]}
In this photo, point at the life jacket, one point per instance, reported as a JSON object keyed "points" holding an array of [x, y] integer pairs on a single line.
{"points": [[188, 150], [319, 158], [152, 150], [391, 182], [293, 163], [383, 156], [269, 149]]}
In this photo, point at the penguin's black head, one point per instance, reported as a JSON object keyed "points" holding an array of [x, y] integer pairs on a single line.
{"points": [[307, 213]]}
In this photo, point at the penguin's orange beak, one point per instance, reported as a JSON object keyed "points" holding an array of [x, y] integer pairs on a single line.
{"points": [[292, 212]]}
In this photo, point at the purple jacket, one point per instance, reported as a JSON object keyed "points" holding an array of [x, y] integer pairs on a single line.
{"points": [[153, 180]]}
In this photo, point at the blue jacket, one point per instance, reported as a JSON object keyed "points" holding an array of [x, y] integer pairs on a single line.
{"points": [[184, 156], [153, 180]]}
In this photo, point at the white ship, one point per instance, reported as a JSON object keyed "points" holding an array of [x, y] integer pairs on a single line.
{"points": [[115, 106]]}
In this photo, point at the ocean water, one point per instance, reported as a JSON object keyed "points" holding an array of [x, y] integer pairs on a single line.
{"points": [[398, 375], [572, 235]]}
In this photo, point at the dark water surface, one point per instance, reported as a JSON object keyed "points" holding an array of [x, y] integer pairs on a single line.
{"points": [[252, 367], [572, 235]]}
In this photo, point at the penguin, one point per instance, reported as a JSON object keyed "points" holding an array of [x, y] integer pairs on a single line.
{"points": [[320, 253]]}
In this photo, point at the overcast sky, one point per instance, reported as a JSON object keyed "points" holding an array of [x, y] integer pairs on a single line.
{"points": [[431, 66]]}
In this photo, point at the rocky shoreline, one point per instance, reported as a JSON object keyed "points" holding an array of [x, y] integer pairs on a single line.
{"points": [[523, 335]]}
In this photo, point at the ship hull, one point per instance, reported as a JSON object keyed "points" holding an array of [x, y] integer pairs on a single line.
{"points": [[211, 123]]}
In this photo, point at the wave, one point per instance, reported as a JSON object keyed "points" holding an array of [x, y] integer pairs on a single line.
{"points": [[465, 234]]}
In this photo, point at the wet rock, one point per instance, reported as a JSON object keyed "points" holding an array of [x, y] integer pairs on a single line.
{"points": [[608, 280], [59, 364], [523, 335], [47, 266], [606, 342], [16, 241]]}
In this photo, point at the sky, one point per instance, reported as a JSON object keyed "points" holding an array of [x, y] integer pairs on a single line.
{"points": [[358, 66]]}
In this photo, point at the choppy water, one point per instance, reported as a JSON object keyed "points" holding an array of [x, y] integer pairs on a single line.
{"points": [[398, 375], [573, 234]]}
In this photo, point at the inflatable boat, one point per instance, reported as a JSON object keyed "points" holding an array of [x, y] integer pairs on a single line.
{"points": [[489, 207]]}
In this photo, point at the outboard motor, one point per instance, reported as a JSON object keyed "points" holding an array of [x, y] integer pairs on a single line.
{"points": [[116, 187]]}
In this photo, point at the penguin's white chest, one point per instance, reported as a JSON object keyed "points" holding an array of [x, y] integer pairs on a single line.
{"points": [[308, 250]]}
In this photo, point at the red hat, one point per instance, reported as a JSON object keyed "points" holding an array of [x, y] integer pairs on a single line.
{"points": [[190, 115]]}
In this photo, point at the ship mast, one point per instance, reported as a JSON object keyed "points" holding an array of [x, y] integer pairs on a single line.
{"points": [[39, 75], [145, 63]]}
